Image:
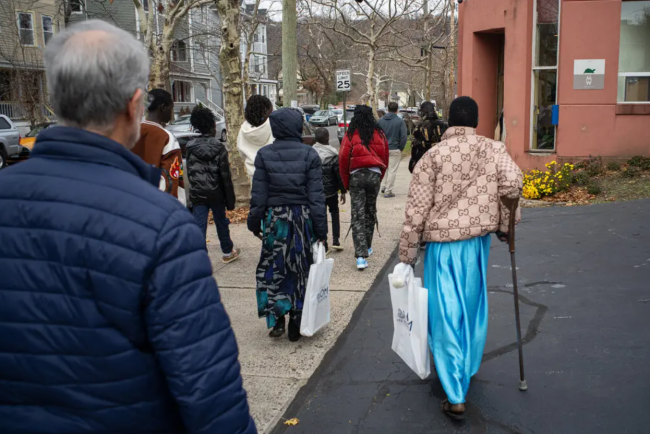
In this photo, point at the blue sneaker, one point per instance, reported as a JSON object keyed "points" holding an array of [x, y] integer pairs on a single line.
{"points": [[362, 264], [370, 252]]}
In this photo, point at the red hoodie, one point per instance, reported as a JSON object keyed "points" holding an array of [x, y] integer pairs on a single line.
{"points": [[355, 155]]}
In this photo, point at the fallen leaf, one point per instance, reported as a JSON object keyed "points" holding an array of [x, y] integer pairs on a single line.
{"points": [[292, 422]]}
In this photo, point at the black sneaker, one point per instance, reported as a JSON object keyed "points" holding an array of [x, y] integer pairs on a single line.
{"points": [[278, 329], [336, 245], [383, 190]]}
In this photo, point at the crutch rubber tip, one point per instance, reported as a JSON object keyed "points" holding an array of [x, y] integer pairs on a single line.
{"points": [[523, 386]]}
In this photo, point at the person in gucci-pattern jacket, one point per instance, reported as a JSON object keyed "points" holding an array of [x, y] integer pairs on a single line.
{"points": [[454, 204], [208, 171]]}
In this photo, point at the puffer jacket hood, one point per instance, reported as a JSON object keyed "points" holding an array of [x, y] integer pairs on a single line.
{"points": [[332, 182], [326, 152], [204, 148], [286, 124]]}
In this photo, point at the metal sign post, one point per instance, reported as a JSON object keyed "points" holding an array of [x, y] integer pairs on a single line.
{"points": [[343, 84]]}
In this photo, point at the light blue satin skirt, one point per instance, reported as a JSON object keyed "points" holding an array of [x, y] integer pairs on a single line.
{"points": [[456, 276]]}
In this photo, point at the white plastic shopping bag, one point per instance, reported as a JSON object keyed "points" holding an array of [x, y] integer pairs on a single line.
{"points": [[410, 319], [316, 308]]}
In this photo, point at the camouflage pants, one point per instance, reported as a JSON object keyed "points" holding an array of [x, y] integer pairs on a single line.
{"points": [[364, 189]]}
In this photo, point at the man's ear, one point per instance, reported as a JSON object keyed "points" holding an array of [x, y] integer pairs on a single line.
{"points": [[136, 104]]}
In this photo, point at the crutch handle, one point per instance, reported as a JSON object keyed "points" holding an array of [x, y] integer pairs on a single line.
{"points": [[511, 205]]}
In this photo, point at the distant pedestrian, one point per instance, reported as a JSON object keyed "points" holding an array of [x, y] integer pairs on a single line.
{"points": [[332, 183], [255, 132], [363, 160], [395, 130], [159, 147], [110, 318], [381, 113], [427, 134], [288, 212], [454, 204], [208, 170]]}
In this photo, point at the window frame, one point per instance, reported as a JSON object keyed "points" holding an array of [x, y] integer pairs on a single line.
{"points": [[175, 52], [629, 74], [534, 68], [20, 30], [82, 6], [52, 32]]}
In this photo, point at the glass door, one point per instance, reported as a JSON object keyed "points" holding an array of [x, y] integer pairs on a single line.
{"points": [[545, 60]]}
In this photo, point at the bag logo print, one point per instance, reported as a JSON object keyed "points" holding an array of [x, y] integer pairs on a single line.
{"points": [[403, 318], [322, 294]]}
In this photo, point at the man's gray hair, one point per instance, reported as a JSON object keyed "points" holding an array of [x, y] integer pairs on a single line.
{"points": [[92, 77]]}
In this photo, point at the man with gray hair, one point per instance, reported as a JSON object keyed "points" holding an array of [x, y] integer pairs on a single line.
{"points": [[110, 319]]}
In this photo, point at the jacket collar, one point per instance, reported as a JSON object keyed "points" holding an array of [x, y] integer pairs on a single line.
{"points": [[67, 143], [457, 131]]}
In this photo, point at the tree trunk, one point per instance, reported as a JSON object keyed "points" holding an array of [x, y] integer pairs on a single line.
{"points": [[427, 75], [289, 52], [229, 58], [370, 81], [451, 54]]}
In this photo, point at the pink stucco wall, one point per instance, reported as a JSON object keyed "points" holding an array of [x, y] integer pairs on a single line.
{"points": [[588, 124]]}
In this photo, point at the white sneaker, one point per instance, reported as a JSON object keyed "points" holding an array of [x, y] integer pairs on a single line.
{"points": [[362, 264]]}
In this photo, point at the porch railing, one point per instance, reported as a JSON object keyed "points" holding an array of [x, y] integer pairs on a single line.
{"points": [[212, 106], [19, 111]]}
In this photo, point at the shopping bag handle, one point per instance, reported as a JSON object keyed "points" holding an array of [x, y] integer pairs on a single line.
{"points": [[320, 252], [404, 274]]}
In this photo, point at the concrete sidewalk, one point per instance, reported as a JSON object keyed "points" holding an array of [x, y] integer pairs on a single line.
{"points": [[274, 370]]}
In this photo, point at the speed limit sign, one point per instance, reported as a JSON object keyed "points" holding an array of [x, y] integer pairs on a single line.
{"points": [[343, 80]]}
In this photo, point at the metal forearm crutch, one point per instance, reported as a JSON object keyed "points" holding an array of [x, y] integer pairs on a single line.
{"points": [[511, 205]]}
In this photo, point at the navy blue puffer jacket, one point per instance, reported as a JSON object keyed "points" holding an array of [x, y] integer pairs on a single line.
{"points": [[287, 172], [110, 319]]}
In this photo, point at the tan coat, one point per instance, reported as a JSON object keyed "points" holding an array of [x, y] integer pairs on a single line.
{"points": [[455, 190]]}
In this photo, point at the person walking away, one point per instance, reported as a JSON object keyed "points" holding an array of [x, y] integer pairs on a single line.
{"points": [[110, 318], [363, 160], [454, 203], [395, 130], [427, 134], [255, 132], [159, 147], [332, 183], [208, 170], [288, 213]]}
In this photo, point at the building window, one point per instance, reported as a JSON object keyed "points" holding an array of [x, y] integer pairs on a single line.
{"points": [[634, 57], [255, 37], [77, 6], [179, 52], [145, 5], [48, 29], [26, 28], [182, 91], [544, 76]]}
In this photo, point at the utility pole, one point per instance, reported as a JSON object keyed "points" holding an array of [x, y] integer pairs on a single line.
{"points": [[429, 53], [289, 53]]}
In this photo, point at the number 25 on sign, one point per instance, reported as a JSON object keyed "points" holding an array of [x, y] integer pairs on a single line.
{"points": [[343, 80]]}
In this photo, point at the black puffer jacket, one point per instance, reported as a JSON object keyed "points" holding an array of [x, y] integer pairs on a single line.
{"points": [[208, 171], [329, 157], [288, 173], [425, 136]]}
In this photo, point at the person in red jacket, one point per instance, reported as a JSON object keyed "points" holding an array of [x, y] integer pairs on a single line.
{"points": [[363, 160]]}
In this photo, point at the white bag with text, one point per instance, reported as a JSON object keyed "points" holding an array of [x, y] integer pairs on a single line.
{"points": [[316, 308]]}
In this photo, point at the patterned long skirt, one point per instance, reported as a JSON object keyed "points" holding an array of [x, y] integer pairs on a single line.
{"points": [[283, 269]]}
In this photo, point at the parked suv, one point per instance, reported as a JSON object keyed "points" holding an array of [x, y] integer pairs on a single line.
{"points": [[9, 141]]}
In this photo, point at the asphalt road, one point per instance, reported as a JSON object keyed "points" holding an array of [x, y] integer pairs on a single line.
{"points": [[584, 274]]}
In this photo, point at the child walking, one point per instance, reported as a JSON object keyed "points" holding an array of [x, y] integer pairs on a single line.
{"points": [[332, 182], [208, 171]]}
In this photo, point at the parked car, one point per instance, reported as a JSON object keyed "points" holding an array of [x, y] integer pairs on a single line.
{"points": [[9, 141], [309, 110], [324, 118], [349, 114], [182, 124], [411, 120], [308, 134], [30, 138], [339, 114]]}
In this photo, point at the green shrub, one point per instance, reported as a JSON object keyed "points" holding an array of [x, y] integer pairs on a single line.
{"points": [[631, 172], [613, 166], [594, 188], [594, 166], [581, 178], [640, 162]]}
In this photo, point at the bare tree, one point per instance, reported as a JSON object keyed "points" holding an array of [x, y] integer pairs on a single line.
{"points": [[370, 25]]}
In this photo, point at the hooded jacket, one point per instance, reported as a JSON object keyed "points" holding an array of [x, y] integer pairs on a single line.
{"points": [[395, 129], [329, 157], [288, 172], [110, 319], [250, 140], [355, 155], [208, 170]]}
